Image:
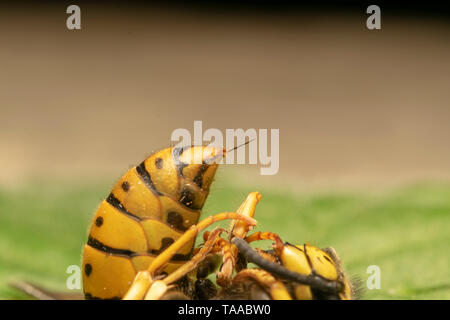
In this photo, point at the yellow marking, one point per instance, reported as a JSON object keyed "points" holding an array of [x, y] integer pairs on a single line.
{"points": [[303, 292], [295, 260], [111, 276], [194, 157], [166, 179], [139, 199], [190, 217], [321, 262], [208, 177], [276, 288], [118, 230], [155, 231]]}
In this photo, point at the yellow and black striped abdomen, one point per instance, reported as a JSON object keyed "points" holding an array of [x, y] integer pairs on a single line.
{"points": [[149, 208]]}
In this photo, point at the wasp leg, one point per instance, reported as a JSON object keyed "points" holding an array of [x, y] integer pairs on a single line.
{"points": [[238, 228], [144, 279], [278, 244], [267, 236], [139, 287], [199, 257], [159, 288], [167, 254], [230, 251], [228, 261], [271, 256], [275, 287]]}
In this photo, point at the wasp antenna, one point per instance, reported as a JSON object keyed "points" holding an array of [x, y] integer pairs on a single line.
{"points": [[242, 144], [224, 152]]}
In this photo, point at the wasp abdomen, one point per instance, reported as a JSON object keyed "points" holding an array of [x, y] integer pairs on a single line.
{"points": [[148, 209]]}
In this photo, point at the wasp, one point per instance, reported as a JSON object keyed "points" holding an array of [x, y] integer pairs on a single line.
{"points": [[148, 224], [141, 242]]}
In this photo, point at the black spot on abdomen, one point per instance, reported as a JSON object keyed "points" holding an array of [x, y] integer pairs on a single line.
{"points": [[198, 180], [175, 220], [125, 186], [165, 243], [87, 269], [159, 163], [187, 198], [99, 221]]}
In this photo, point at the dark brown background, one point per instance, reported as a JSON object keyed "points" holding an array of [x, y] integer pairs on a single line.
{"points": [[353, 106]]}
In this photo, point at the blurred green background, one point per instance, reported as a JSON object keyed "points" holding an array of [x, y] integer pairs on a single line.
{"points": [[404, 231]]}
